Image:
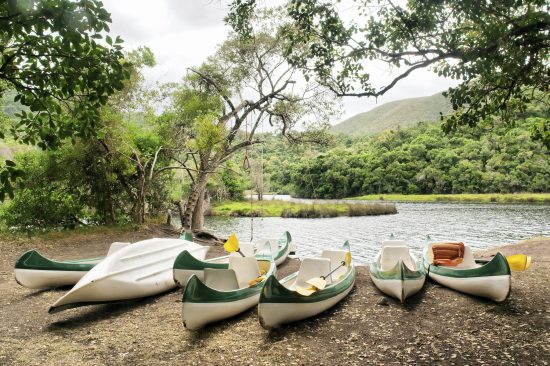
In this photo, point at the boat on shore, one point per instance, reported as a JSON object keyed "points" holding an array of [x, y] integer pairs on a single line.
{"points": [[225, 292], [139, 270], [35, 271], [294, 298], [396, 272], [453, 265], [186, 264]]}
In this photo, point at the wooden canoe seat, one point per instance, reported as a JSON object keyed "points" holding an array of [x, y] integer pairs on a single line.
{"points": [[448, 254], [336, 257], [311, 268], [221, 279], [390, 256], [246, 269]]}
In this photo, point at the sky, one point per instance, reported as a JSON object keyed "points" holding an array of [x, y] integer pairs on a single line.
{"points": [[183, 33]]}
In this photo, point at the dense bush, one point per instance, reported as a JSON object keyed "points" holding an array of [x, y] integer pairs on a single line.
{"points": [[423, 160]]}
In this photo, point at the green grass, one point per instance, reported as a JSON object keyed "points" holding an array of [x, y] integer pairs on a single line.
{"points": [[276, 208], [466, 197]]}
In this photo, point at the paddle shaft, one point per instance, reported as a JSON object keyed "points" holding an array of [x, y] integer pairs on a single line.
{"points": [[334, 270]]}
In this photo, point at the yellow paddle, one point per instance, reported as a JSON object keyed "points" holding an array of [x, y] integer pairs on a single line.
{"points": [[519, 262], [319, 283], [232, 245]]}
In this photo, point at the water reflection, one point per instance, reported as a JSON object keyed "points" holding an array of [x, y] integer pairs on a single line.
{"points": [[479, 225]]}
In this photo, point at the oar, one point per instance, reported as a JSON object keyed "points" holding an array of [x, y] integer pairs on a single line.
{"points": [[319, 283], [232, 245], [517, 262]]}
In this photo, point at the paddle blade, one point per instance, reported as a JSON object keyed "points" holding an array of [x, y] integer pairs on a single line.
{"points": [[519, 262], [232, 244], [305, 291], [317, 282], [347, 259]]}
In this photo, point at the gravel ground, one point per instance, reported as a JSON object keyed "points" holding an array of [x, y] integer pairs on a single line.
{"points": [[437, 326]]}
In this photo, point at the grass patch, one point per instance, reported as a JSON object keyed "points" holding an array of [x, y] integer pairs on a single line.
{"points": [[276, 208], [465, 197]]}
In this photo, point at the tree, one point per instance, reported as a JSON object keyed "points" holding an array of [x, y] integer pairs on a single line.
{"points": [[62, 68], [246, 83], [498, 50]]}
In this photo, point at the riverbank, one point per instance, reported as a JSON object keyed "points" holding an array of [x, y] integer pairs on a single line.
{"points": [[464, 198], [438, 326], [279, 208]]}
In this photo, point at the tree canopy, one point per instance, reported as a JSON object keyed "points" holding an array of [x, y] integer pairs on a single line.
{"points": [[62, 66], [498, 50]]}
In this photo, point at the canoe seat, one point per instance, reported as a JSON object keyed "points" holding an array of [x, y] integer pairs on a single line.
{"points": [[336, 257], [246, 269], [448, 254], [246, 248], [390, 256], [273, 244], [311, 268], [394, 243], [221, 279]]}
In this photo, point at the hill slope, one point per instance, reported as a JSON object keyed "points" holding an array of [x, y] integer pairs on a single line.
{"points": [[402, 113]]}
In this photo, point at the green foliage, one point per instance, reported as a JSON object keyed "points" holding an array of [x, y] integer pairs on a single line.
{"points": [[423, 160], [499, 51], [54, 59]]}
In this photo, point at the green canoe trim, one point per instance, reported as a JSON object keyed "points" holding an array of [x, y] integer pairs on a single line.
{"points": [[275, 292], [34, 260], [197, 292], [498, 266], [186, 261], [399, 272], [284, 243]]}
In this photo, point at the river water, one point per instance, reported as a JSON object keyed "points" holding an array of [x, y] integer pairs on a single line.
{"points": [[477, 225]]}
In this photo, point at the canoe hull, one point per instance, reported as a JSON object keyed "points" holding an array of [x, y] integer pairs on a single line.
{"points": [[273, 315], [496, 288], [491, 280], [399, 289], [42, 279], [143, 269], [197, 315]]}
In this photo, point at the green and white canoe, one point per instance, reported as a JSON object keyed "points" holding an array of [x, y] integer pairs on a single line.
{"points": [[490, 280], [33, 270], [280, 303], [186, 265], [226, 291], [396, 272]]}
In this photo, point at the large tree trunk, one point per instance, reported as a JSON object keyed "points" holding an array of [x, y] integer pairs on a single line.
{"points": [[198, 214], [197, 191]]}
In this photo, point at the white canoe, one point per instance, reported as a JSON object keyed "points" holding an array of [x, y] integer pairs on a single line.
{"points": [[225, 292], [280, 303], [33, 270], [187, 265], [491, 280], [396, 272], [139, 270]]}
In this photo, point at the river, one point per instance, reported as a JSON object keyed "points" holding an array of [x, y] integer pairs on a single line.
{"points": [[477, 225]]}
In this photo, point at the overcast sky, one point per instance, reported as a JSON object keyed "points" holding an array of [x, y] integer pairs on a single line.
{"points": [[182, 33]]}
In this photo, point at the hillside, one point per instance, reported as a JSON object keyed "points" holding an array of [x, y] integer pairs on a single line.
{"points": [[400, 113]]}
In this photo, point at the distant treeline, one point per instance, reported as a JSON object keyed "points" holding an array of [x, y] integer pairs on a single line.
{"points": [[422, 159]]}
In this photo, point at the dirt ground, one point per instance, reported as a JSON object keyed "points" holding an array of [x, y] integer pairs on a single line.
{"points": [[437, 326]]}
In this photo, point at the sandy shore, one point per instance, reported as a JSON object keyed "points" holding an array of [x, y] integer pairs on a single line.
{"points": [[438, 326]]}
